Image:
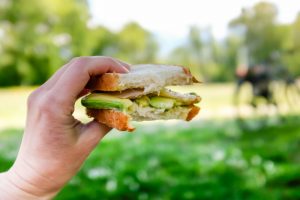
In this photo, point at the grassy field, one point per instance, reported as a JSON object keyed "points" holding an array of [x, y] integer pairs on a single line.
{"points": [[13, 102], [208, 158]]}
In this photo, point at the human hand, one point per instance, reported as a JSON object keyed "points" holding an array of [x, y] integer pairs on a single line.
{"points": [[55, 144]]}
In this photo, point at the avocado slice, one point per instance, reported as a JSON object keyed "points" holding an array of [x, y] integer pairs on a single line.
{"points": [[143, 101], [162, 102], [105, 101]]}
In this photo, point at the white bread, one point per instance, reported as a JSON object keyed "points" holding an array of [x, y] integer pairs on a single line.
{"points": [[150, 77]]}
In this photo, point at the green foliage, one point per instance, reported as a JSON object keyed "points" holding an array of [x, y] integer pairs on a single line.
{"points": [[191, 54], [263, 36], [208, 58], [136, 44], [292, 56], [208, 160], [37, 38]]}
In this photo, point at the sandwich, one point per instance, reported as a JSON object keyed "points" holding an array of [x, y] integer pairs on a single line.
{"points": [[141, 95]]}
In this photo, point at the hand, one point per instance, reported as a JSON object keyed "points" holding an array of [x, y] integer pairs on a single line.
{"points": [[55, 144]]}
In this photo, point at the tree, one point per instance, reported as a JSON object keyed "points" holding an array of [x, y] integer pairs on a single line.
{"points": [[36, 41], [190, 54], [205, 56], [136, 45], [292, 55], [263, 36]]}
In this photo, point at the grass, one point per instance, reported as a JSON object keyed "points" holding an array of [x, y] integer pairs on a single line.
{"points": [[13, 102], [208, 158], [205, 160]]}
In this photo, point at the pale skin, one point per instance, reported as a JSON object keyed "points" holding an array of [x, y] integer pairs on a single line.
{"points": [[55, 144]]}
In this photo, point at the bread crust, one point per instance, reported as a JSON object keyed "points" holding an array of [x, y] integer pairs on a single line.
{"points": [[193, 112], [112, 118], [106, 82]]}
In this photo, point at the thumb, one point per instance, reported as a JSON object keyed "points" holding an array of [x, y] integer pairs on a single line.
{"points": [[92, 133]]}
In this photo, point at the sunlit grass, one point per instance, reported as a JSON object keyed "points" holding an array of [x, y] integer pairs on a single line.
{"points": [[13, 106], [213, 95], [215, 99]]}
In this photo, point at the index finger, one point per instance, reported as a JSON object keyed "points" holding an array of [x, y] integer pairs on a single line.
{"points": [[75, 78]]}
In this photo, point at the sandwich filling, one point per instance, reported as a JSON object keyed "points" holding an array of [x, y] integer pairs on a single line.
{"points": [[165, 104]]}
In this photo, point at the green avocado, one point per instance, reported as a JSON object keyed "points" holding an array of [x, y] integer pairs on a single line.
{"points": [[143, 101], [162, 102], [105, 101]]}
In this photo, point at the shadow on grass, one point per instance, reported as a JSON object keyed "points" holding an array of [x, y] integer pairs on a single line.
{"points": [[199, 160]]}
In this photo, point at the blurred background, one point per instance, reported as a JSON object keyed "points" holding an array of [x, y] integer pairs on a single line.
{"points": [[245, 144]]}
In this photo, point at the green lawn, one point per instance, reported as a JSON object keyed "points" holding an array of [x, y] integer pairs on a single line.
{"points": [[204, 160], [208, 158]]}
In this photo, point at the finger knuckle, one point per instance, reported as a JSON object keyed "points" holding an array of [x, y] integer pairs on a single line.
{"points": [[33, 97], [110, 59], [74, 59], [79, 59], [47, 104]]}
